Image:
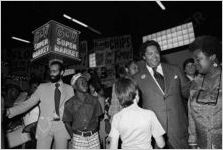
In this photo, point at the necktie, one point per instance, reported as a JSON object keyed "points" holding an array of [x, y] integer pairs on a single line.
{"points": [[159, 78], [57, 95]]}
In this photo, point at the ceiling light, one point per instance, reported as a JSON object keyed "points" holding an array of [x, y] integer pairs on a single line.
{"points": [[82, 24], [21, 40], [161, 5], [66, 16]]}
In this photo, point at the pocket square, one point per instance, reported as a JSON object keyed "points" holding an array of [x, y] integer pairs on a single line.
{"points": [[175, 77]]}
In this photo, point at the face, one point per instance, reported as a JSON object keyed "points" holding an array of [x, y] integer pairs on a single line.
{"points": [[133, 69], [190, 69], [82, 85], [13, 92], [92, 89], [152, 56], [55, 73], [203, 63], [33, 87]]}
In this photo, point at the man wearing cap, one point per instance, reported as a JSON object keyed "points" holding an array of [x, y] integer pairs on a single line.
{"points": [[51, 98], [81, 115]]}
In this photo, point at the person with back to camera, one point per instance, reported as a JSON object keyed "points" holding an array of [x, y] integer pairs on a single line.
{"points": [[134, 125]]}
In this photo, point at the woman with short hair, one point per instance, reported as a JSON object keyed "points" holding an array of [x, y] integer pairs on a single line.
{"points": [[205, 102]]}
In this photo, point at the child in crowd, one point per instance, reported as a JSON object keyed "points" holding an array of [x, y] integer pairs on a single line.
{"points": [[133, 124]]}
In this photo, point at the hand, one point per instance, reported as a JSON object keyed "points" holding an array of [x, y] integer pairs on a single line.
{"points": [[193, 147], [8, 113]]}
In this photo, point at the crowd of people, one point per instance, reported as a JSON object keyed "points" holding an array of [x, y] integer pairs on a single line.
{"points": [[152, 105]]}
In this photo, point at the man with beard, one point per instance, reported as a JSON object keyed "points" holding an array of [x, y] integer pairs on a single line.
{"points": [[161, 88], [51, 98]]}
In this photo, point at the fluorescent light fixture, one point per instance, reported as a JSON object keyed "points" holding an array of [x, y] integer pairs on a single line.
{"points": [[80, 23], [161, 5], [94, 30], [21, 40], [66, 16], [75, 20]]}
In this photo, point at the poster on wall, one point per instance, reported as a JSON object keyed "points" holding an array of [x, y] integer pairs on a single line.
{"points": [[109, 57], [112, 51], [83, 52], [100, 58], [120, 45], [19, 61]]}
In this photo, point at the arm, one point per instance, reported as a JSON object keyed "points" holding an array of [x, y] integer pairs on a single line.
{"points": [[24, 106], [98, 110], [113, 142], [21, 98], [68, 126], [114, 134], [115, 106], [192, 140], [67, 117], [184, 83], [157, 131], [160, 141]]}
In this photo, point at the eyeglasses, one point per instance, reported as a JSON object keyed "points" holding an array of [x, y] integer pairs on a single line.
{"points": [[211, 98]]}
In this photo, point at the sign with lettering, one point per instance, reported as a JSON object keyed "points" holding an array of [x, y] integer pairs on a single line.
{"points": [[118, 49], [83, 55], [100, 58], [113, 42], [56, 38]]}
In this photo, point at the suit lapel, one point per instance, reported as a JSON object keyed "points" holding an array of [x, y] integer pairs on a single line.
{"points": [[63, 94], [150, 80], [167, 76]]}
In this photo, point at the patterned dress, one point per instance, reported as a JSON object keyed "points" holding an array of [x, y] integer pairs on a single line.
{"points": [[205, 111]]}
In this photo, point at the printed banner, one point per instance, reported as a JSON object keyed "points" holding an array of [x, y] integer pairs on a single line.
{"points": [[83, 64], [118, 49]]}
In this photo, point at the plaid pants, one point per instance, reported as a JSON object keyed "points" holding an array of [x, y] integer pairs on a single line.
{"points": [[89, 142]]}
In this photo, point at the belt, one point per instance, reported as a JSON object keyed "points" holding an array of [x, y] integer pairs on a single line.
{"points": [[85, 133], [56, 119]]}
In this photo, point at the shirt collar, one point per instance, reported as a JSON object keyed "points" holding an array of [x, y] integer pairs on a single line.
{"points": [[60, 82], [159, 69]]}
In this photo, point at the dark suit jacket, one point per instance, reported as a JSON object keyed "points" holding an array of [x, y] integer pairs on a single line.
{"points": [[168, 107]]}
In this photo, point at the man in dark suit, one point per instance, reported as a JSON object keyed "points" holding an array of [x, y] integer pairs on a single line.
{"points": [[162, 87]]}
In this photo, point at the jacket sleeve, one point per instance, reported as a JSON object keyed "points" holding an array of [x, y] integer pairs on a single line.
{"points": [[70, 93], [26, 105], [192, 140], [184, 84]]}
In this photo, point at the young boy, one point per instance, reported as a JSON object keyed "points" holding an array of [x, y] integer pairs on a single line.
{"points": [[133, 124], [81, 115]]}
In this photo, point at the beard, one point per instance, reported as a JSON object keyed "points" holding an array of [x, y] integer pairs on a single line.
{"points": [[55, 79]]}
